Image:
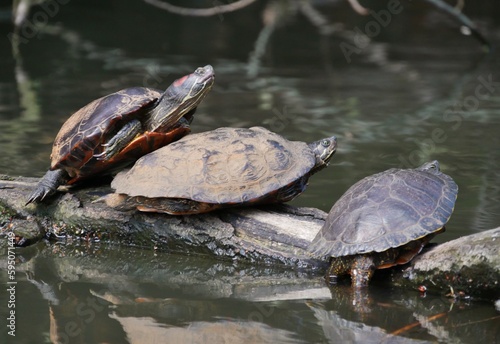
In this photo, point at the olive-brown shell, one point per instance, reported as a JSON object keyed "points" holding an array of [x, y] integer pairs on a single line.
{"points": [[226, 165], [387, 210]]}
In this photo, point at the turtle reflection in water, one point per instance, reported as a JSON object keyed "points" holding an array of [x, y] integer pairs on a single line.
{"points": [[384, 220], [115, 130], [220, 168]]}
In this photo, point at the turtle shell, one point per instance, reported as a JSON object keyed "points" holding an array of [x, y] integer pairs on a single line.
{"points": [[82, 135], [387, 210], [223, 166]]}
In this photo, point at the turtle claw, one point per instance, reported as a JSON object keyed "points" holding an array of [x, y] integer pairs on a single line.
{"points": [[35, 197], [121, 139], [107, 153], [47, 185], [101, 156], [39, 194], [111, 148]]}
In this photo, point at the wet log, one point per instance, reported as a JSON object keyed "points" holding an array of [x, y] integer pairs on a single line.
{"points": [[271, 235], [467, 266], [268, 235]]}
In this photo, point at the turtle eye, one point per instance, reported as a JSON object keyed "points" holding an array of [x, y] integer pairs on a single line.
{"points": [[435, 166], [325, 143], [432, 166]]}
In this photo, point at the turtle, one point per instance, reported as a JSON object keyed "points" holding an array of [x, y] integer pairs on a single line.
{"points": [[112, 132], [220, 168], [384, 220]]}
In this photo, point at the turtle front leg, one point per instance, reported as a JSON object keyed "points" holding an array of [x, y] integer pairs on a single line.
{"points": [[48, 185], [121, 139], [362, 269]]}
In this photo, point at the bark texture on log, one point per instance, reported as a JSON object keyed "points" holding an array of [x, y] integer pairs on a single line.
{"points": [[277, 234], [268, 235], [465, 266]]}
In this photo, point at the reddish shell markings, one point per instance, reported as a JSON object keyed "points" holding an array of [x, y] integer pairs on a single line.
{"points": [[82, 135]]}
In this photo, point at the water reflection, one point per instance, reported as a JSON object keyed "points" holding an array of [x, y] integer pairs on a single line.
{"points": [[384, 107], [104, 293], [340, 330]]}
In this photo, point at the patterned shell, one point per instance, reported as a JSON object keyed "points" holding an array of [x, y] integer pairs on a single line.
{"points": [[226, 165], [83, 133], [387, 210]]}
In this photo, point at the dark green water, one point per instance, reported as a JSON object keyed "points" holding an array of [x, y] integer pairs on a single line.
{"points": [[419, 91]]}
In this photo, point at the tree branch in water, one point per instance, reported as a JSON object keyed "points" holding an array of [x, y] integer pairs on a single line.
{"points": [[200, 12]]}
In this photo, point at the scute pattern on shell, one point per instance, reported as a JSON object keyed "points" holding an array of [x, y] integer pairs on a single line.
{"points": [[226, 165], [86, 128], [386, 210]]}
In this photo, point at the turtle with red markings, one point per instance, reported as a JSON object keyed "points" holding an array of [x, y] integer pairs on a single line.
{"points": [[113, 131]]}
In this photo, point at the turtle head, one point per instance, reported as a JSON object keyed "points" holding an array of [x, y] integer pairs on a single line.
{"points": [[181, 98], [192, 88], [431, 167], [323, 151]]}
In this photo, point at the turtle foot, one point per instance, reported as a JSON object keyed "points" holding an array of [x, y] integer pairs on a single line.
{"points": [[38, 195], [47, 185]]}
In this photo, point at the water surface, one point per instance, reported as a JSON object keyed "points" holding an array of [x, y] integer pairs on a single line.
{"points": [[419, 91]]}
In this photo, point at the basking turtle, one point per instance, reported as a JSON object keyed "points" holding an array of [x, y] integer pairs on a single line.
{"points": [[220, 168], [115, 130], [384, 220]]}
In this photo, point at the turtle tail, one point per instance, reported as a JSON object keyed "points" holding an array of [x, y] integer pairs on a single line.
{"points": [[48, 185]]}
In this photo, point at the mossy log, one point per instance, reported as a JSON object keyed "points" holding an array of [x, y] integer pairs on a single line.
{"points": [[270, 235]]}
